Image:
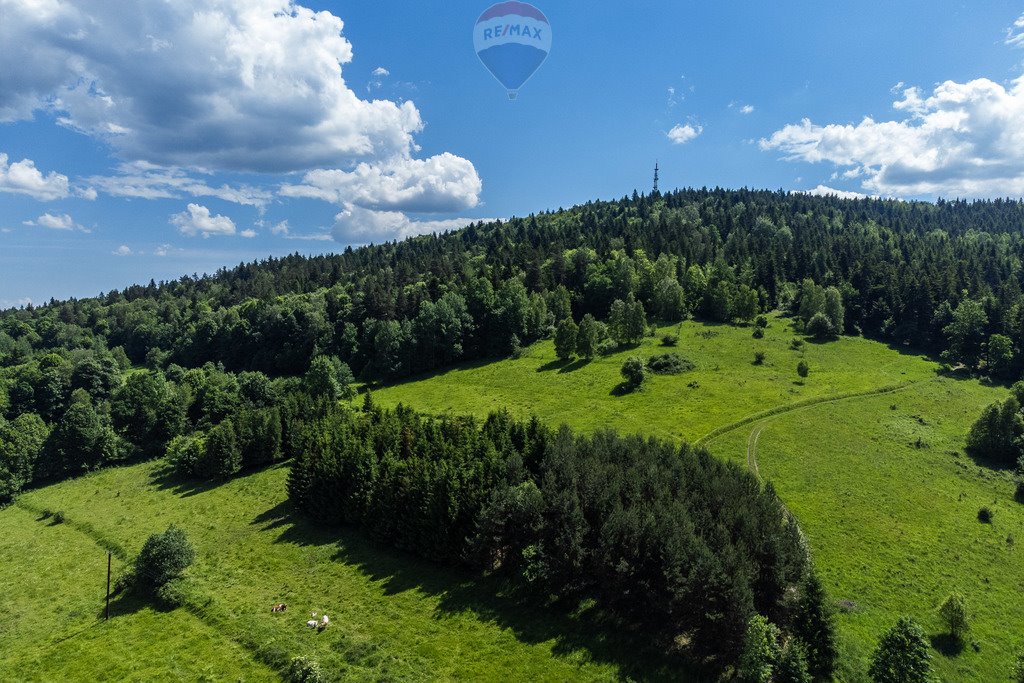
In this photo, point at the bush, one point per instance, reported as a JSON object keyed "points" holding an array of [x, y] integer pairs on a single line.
{"points": [[796, 344], [668, 364], [633, 372], [305, 670], [606, 347], [761, 321], [172, 594], [1017, 672], [803, 369], [669, 339], [954, 614], [985, 514], [58, 517], [820, 327], [759, 357], [758, 333], [902, 655], [163, 557]]}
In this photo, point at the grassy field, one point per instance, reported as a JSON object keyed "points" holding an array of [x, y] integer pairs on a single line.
{"points": [[393, 617], [892, 520], [889, 502], [868, 451], [725, 385]]}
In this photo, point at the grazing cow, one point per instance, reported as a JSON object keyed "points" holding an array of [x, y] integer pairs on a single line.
{"points": [[323, 623]]}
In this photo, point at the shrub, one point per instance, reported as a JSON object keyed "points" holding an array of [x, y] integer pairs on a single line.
{"points": [[58, 517], [759, 357], [633, 372], [758, 333], [760, 651], [803, 369], [305, 670], [163, 557], [171, 594], [607, 346], [47, 513], [985, 514], [820, 327], [796, 344], [761, 321], [669, 339], [954, 614], [792, 666], [1017, 672], [668, 364], [902, 655]]}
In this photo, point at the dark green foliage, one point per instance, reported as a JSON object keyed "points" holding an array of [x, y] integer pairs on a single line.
{"points": [[668, 364], [259, 436], [803, 369], [588, 336], [985, 514], [996, 434], [80, 441], [223, 457], [759, 357], [329, 378], [954, 614], [758, 333], [187, 454], [566, 334], [163, 557], [148, 412], [792, 666], [670, 340], [58, 517], [814, 623], [633, 372], [21, 442], [902, 655], [623, 520], [820, 327], [627, 321], [965, 334]]}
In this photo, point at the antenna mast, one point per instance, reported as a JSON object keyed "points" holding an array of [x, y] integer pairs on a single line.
{"points": [[655, 178]]}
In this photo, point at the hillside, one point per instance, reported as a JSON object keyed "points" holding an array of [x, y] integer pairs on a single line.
{"points": [[868, 452]]}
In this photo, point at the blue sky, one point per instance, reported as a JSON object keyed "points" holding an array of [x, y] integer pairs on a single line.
{"points": [[147, 140]]}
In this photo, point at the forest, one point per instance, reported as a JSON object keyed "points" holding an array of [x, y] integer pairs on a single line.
{"points": [[253, 365]]}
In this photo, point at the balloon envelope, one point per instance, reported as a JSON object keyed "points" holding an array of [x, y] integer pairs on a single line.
{"points": [[512, 40]]}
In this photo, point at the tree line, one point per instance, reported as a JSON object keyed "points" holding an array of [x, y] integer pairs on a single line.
{"points": [[661, 536]]}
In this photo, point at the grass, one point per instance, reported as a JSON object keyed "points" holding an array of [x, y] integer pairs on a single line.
{"points": [[725, 386], [887, 497], [393, 617], [890, 503]]}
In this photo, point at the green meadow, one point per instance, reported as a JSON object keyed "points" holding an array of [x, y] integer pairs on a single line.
{"points": [[867, 451]]}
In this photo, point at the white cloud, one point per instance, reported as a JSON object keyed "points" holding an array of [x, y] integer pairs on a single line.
{"points": [[681, 134], [22, 177], [198, 221], [826, 191], [248, 234], [252, 85], [963, 140], [747, 109], [356, 224], [123, 250], [1015, 34], [48, 220], [280, 229], [441, 183], [163, 250], [146, 181]]}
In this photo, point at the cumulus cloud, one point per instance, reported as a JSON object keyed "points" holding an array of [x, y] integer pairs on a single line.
{"points": [[280, 228], [681, 134], [826, 191], [123, 250], [356, 224], [198, 221], [236, 84], [747, 109], [143, 180], [248, 234], [22, 177], [962, 139], [61, 222], [441, 183], [1015, 34]]}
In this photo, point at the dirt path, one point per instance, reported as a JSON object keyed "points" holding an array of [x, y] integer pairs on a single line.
{"points": [[761, 419]]}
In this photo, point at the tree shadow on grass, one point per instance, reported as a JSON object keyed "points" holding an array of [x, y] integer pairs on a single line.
{"points": [[574, 366], [947, 645], [166, 478], [507, 604], [553, 365]]}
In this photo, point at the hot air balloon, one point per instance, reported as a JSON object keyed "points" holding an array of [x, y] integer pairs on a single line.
{"points": [[512, 40]]}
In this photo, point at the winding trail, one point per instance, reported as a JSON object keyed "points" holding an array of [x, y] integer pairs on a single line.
{"points": [[761, 419]]}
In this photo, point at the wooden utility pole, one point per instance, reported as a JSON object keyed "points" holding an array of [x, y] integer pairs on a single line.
{"points": [[106, 615]]}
